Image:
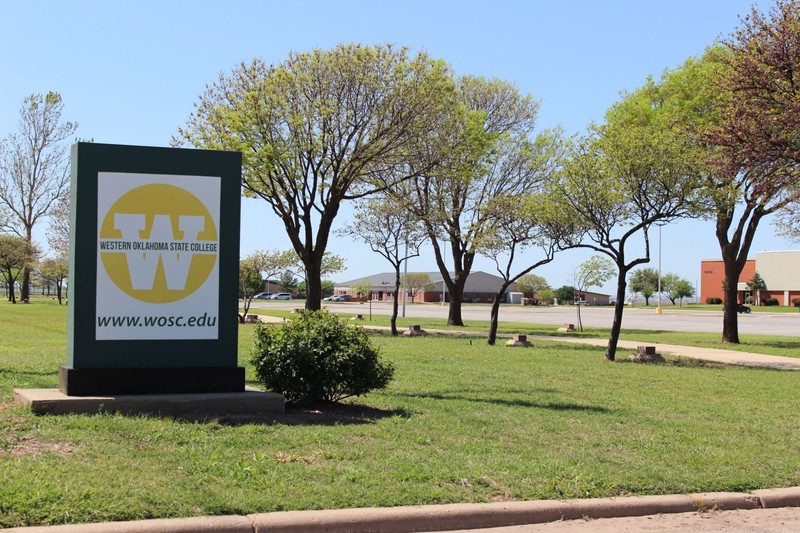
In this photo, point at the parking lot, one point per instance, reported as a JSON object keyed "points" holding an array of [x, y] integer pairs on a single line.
{"points": [[633, 318]]}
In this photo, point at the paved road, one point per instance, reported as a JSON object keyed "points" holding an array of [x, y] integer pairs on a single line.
{"points": [[634, 318]]}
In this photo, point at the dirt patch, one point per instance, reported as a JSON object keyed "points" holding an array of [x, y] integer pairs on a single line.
{"points": [[698, 363], [33, 446]]}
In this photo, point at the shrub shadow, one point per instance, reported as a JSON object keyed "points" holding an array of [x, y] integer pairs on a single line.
{"points": [[317, 415]]}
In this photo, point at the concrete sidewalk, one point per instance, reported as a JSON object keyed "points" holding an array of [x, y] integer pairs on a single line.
{"points": [[730, 357], [482, 516]]}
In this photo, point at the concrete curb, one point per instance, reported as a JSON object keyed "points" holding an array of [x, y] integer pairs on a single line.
{"points": [[444, 517], [202, 524]]}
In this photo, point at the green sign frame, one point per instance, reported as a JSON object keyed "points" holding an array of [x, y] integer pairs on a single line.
{"points": [[153, 282]]}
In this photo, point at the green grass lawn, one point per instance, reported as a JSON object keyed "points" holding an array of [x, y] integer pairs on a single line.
{"points": [[462, 422]]}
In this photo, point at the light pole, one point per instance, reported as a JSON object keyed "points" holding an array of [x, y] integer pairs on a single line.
{"points": [[658, 309]]}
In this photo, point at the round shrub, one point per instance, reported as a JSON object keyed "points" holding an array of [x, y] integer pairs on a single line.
{"points": [[771, 301], [317, 357]]}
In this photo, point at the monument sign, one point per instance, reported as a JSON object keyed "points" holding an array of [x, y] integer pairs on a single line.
{"points": [[153, 283]]}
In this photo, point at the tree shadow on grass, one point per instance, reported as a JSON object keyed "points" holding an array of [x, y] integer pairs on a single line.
{"points": [[345, 414], [20, 372], [775, 343], [459, 396]]}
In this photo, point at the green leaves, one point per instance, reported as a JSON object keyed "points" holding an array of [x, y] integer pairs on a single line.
{"points": [[317, 357], [324, 127]]}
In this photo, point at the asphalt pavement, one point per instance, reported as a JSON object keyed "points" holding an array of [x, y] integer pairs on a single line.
{"points": [[639, 317]]}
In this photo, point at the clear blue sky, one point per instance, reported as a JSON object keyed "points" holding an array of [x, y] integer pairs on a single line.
{"points": [[130, 72]]}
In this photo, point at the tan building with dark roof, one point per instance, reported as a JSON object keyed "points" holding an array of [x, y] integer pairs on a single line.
{"points": [[480, 287]]}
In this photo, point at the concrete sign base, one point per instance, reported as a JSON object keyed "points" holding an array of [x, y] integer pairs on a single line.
{"points": [[249, 402]]}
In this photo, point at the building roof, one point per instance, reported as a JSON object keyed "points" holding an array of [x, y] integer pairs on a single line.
{"points": [[477, 281]]}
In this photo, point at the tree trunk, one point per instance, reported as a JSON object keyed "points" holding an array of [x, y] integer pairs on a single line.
{"points": [[58, 291], [11, 294], [245, 309], [730, 318], [395, 298], [456, 298], [495, 314], [314, 283], [578, 310], [25, 291], [734, 257], [616, 325]]}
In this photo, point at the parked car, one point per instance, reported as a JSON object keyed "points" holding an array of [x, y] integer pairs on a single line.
{"points": [[339, 298], [741, 308], [281, 296], [263, 296]]}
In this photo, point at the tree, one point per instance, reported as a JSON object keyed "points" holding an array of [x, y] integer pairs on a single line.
{"points": [[58, 228], [668, 282], [34, 168], [520, 228], [628, 174], [287, 282], [521, 221], [565, 294], [16, 254], [545, 295], [322, 128], [740, 105], [254, 269], [327, 288], [363, 289], [757, 284], [417, 282], [531, 284], [389, 230], [645, 281], [55, 270], [250, 283], [682, 288], [331, 264], [787, 221], [593, 272], [451, 200]]}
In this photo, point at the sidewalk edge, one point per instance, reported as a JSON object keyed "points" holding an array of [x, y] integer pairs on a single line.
{"points": [[444, 517]]}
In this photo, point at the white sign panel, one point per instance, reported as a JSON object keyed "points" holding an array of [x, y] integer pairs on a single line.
{"points": [[157, 256]]}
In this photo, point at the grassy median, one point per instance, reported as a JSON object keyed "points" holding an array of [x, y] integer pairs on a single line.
{"points": [[462, 422]]}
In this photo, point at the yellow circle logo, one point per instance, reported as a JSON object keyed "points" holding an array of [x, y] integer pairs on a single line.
{"points": [[158, 243]]}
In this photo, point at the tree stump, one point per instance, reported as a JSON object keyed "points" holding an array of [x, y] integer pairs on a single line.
{"points": [[415, 331], [646, 354], [520, 341]]}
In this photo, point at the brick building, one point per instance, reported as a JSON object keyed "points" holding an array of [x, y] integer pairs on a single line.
{"points": [[779, 270]]}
